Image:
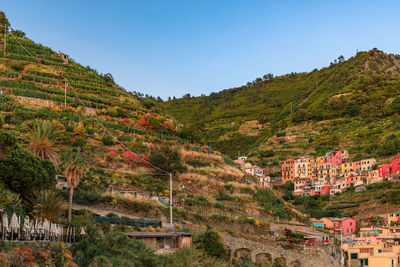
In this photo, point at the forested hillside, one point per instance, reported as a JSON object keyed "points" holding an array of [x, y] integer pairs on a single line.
{"points": [[361, 91]]}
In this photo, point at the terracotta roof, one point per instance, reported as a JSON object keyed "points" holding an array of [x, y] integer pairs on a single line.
{"points": [[158, 234]]}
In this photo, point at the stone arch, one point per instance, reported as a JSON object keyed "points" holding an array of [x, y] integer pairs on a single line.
{"points": [[263, 259], [295, 263], [280, 261], [241, 253]]}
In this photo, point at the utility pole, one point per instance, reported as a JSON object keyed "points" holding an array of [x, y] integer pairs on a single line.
{"points": [[65, 94], [170, 200], [5, 39]]}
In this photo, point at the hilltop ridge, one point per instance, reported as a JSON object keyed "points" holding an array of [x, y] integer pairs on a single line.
{"points": [[321, 106]]}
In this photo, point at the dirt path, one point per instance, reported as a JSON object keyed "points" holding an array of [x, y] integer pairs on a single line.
{"points": [[103, 211]]}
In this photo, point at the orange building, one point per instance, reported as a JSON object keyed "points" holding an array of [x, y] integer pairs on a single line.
{"points": [[288, 170], [312, 168]]}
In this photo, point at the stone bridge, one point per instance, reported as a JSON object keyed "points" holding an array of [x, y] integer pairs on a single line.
{"points": [[263, 254]]}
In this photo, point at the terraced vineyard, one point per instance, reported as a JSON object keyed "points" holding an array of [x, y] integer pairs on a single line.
{"points": [[121, 133]]}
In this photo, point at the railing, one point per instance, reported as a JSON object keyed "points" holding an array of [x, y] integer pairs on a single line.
{"points": [[128, 221]]}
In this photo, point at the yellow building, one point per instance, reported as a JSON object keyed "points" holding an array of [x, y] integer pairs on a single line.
{"points": [[373, 177], [347, 169], [374, 255], [312, 168], [367, 164]]}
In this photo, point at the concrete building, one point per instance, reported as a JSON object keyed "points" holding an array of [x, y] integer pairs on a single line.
{"points": [[164, 241]]}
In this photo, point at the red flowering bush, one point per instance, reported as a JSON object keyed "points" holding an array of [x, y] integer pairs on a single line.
{"points": [[113, 153], [126, 120], [142, 122], [130, 157]]}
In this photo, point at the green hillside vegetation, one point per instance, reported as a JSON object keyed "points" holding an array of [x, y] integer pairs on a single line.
{"points": [[119, 137], [360, 93]]}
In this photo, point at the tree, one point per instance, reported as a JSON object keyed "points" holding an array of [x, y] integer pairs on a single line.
{"points": [[3, 22], [43, 139], [167, 159], [7, 142], [395, 105], [108, 78], [18, 33], [74, 166], [46, 204], [210, 241], [341, 58], [21, 171]]}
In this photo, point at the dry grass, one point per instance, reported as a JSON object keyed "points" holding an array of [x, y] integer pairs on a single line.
{"points": [[223, 172], [2, 67], [133, 198], [201, 156], [240, 185], [40, 68]]}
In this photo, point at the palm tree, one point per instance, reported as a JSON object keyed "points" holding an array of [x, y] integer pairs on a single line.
{"points": [[8, 198], [42, 139], [74, 167], [46, 204]]}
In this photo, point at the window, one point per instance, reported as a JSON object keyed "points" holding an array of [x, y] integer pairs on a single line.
{"points": [[379, 250], [353, 256], [366, 262]]}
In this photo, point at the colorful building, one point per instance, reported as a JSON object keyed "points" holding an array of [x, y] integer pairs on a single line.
{"points": [[337, 157], [254, 171], [347, 169], [345, 226], [288, 170], [373, 255], [392, 168], [301, 168], [312, 168], [264, 182]]}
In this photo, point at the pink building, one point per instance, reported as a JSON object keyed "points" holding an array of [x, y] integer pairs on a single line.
{"points": [[392, 168], [345, 226], [239, 161], [337, 157], [264, 182], [325, 190]]}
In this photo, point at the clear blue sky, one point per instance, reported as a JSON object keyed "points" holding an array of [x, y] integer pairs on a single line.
{"points": [[170, 47]]}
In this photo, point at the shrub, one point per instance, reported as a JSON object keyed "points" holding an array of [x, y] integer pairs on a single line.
{"points": [[267, 199], [210, 241], [17, 66], [107, 140], [118, 248], [112, 215]]}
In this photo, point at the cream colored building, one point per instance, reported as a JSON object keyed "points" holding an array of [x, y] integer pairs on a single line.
{"points": [[373, 255]]}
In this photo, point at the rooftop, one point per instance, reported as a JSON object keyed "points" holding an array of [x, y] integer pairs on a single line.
{"points": [[158, 234]]}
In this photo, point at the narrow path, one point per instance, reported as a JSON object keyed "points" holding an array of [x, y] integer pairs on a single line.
{"points": [[103, 211]]}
